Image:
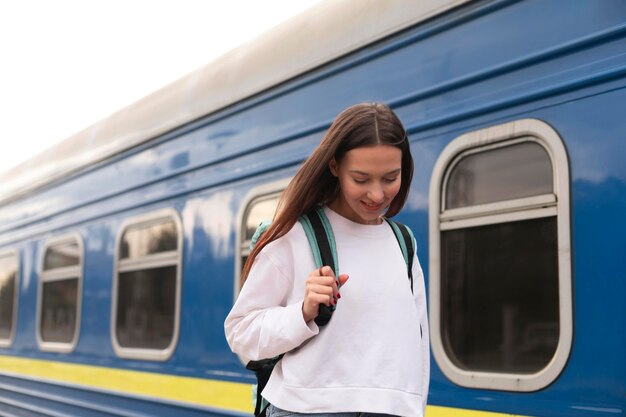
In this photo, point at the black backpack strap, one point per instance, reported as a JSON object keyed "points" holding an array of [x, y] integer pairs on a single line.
{"points": [[322, 242], [407, 245], [263, 370]]}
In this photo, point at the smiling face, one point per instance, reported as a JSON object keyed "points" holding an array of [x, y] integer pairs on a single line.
{"points": [[369, 179]]}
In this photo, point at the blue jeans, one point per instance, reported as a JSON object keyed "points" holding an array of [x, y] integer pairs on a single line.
{"points": [[273, 411]]}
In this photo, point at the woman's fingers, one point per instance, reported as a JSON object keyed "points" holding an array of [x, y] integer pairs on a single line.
{"points": [[324, 291], [321, 288], [318, 299], [343, 278], [312, 301], [327, 271]]}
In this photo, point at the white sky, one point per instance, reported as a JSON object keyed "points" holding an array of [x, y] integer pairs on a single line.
{"points": [[65, 64]]}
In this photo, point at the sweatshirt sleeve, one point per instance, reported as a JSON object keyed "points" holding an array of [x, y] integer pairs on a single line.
{"points": [[263, 324], [419, 291]]}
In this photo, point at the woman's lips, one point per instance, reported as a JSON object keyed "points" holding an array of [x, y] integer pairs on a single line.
{"points": [[372, 207]]}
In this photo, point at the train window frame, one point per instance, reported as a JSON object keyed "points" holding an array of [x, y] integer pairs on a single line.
{"points": [[153, 261], [8, 342], [59, 274], [526, 208], [261, 192]]}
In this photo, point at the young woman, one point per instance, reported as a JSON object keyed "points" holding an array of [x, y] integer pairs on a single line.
{"points": [[372, 358]]}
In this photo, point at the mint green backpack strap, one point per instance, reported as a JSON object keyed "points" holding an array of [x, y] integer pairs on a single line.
{"points": [[407, 243], [261, 228], [322, 241], [321, 238], [310, 235]]}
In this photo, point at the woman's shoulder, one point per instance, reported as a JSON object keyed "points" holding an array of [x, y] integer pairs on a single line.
{"points": [[288, 241], [284, 252]]}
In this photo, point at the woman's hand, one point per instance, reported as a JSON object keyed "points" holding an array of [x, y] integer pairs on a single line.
{"points": [[321, 288]]}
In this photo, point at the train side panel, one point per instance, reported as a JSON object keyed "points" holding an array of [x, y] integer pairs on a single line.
{"points": [[485, 64]]}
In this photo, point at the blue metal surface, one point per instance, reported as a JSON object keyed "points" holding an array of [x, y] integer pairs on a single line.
{"points": [[489, 62]]}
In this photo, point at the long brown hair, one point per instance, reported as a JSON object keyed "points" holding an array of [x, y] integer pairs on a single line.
{"points": [[365, 124]]}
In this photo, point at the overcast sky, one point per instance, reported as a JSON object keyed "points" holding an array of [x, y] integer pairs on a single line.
{"points": [[65, 64]]}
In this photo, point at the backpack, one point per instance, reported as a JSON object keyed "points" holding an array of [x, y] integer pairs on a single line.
{"points": [[322, 241]]}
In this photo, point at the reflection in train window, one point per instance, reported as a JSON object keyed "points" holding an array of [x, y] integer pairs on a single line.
{"points": [[8, 296], [60, 294], [261, 207], [148, 239], [499, 271], [146, 302], [515, 171]]}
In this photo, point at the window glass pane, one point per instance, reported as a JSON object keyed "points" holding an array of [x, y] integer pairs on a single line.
{"points": [[500, 296], [260, 210], [8, 276], [145, 308], [58, 310], [148, 239], [516, 171], [61, 255]]}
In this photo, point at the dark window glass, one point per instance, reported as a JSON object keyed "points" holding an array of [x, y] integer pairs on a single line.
{"points": [[261, 210], [61, 255], [58, 310], [148, 239], [146, 308], [500, 296], [510, 172], [244, 259], [8, 276]]}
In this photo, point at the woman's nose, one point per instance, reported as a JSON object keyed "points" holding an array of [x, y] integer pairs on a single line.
{"points": [[376, 194]]}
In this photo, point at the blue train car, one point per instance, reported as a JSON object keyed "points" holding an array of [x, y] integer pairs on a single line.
{"points": [[120, 248]]}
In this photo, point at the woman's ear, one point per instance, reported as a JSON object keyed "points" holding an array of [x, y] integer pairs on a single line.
{"points": [[333, 167]]}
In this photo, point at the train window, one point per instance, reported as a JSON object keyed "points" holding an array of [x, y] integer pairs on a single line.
{"points": [[260, 205], [146, 287], [9, 273], [503, 173], [60, 294], [500, 273], [260, 209]]}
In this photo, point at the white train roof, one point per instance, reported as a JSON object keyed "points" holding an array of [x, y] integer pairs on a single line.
{"points": [[320, 34]]}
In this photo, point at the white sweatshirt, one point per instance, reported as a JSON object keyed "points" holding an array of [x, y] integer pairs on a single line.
{"points": [[373, 355]]}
